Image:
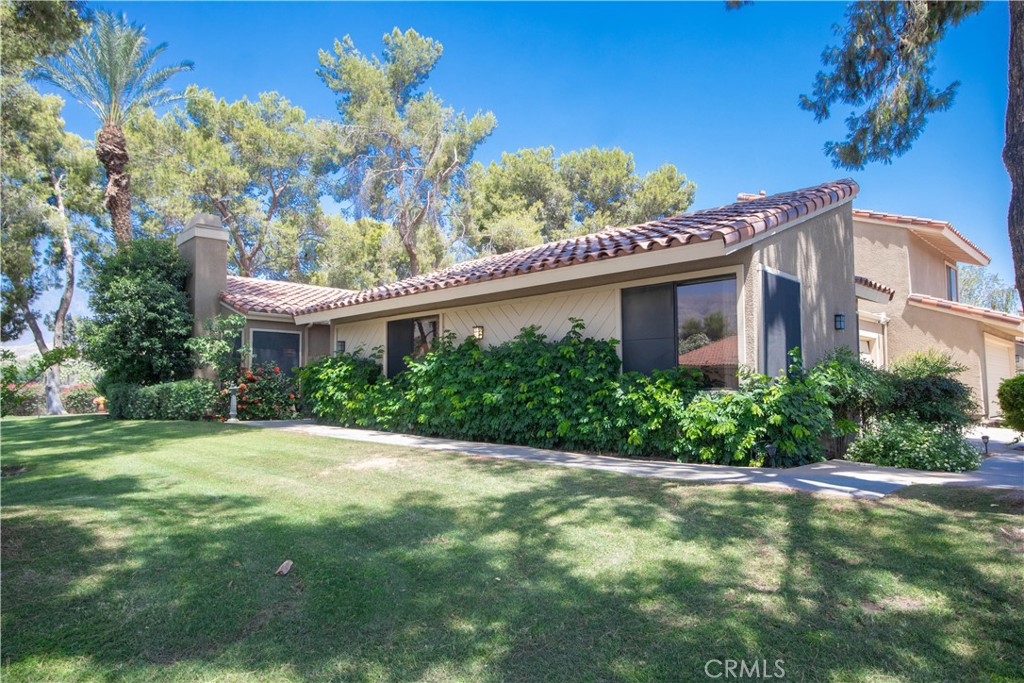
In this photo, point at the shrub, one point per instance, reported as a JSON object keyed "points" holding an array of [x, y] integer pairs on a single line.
{"points": [[569, 394], [142, 322], [904, 441], [264, 393], [924, 385], [191, 399], [1011, 400], [79, 400]]}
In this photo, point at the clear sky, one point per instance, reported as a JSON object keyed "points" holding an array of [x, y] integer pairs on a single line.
{"points": [[712, 91]]}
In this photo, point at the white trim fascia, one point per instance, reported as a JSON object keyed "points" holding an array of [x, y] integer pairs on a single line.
{"points": [[1018, 328], [785, 226], [880, 318], [870, 294], [450, 296]]}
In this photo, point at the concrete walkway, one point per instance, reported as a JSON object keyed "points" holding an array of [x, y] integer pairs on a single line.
{"points": [[1004, 469]]}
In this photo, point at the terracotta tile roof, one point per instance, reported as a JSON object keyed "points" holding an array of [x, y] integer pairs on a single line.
{"points": [[732, 224], [725, 351], [861, 280], [915, 221], [253, 295], [966, 309]]}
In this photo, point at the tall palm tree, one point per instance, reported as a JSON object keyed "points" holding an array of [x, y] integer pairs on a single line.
{"points": [[111, 71]]}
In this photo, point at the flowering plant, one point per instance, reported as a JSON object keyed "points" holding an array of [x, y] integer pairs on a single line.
{"points": [[264, 393]]}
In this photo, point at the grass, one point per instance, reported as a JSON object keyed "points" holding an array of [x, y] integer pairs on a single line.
{"points": [[146, 551]]}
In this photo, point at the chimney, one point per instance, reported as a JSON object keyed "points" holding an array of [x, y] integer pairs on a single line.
{"points": [[204, 244]]}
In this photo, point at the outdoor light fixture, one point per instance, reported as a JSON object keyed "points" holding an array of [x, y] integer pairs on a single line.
{"points": [[478, 332], [840, 321], [984, 440]]}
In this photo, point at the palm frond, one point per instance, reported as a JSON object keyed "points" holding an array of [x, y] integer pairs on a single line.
{"points": [[112, 70]]}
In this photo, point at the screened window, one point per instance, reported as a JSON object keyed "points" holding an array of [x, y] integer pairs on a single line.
{"points": [[424, 332], [280, 348], [952, 286], [706, 329]]}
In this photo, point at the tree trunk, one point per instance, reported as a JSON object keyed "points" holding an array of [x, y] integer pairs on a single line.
{"points": [[60, 317], [112, 152], [1013, 152], [51, 380]]}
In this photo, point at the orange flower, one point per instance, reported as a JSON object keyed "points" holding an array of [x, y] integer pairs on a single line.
{"points": [[241, 387], [291, 396], [277, 369]]}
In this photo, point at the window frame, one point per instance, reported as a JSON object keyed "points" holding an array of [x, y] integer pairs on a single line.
{"points": [[762, 360], [252, 339], [703, 279], [954, 293]]}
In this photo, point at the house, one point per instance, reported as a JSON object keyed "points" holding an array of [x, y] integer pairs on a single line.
{"points": [[912, 263], [737, 285]]}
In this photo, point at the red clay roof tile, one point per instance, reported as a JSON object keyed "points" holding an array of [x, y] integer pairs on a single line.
{"points": [[966, 309], [733, 224], [253, 295], [877, 286]]}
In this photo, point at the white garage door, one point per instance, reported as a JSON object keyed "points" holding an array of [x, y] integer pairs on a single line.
{"points": [[999, 365]]}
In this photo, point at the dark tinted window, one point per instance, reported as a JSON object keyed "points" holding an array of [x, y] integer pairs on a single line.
{"points": [[707, 331], [952, 288], [279, 348], [781, 321]]}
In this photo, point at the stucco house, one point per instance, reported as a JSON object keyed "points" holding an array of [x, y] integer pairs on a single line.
{"points": [[916, 262], [736, 285]]}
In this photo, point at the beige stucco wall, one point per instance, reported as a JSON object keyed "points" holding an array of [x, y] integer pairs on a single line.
{"points": [[897, 258], [816, 251]]}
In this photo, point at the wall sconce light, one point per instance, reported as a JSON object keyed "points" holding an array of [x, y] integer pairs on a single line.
{"points": [[840, 321], [478, 332], [339, 346]]}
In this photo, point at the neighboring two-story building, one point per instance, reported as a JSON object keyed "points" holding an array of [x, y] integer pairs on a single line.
{"points": [[917, 260]]}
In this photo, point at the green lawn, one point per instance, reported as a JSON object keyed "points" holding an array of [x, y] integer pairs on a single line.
{"points": [[146, 551]]}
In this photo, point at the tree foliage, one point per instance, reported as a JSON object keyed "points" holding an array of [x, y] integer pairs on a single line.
{"points": [[359, 254], [884, 66], [533, 196], [409, 151], [261, 166], [980, 286], [141, 321]]}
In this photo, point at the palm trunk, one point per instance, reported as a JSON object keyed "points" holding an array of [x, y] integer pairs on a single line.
{"points": [[1013, 152], [112, 152]]}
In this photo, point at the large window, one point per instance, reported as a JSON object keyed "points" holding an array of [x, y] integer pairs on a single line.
{"points": [[706, 329], [692, 323], [409, 337], [280, 348]]}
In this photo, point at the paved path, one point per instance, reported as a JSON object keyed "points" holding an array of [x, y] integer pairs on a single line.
{"points": [[1003, 470]]}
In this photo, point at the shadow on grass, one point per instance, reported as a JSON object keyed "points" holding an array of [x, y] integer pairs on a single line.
{"points": [[492, 589]]}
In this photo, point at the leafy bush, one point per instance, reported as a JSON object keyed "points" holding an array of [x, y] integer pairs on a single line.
{"points": [[904, 441], [79, 400], [191, 399], [18, 392], [569, 394], [925, 385], [142, 322], [221, 346], [1011, 400], [264, 393]]}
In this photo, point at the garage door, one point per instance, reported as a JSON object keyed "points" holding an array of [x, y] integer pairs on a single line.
{"points": [[999, 365]]}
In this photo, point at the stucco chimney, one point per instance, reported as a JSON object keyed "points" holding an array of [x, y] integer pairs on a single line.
{"points": [[204, 244]]}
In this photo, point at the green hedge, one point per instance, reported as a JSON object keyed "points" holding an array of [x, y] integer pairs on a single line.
{"points": [[1011, 400], [570, 394], [905, 441], [191, 399]]}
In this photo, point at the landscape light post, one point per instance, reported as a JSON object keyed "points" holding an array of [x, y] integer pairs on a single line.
{"points": [[233, 405]]}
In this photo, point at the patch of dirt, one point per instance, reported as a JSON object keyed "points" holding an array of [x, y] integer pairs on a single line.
{"points": [[1014, 536], [12, 470], [902, 603], [382, 463], [1015, 501]]}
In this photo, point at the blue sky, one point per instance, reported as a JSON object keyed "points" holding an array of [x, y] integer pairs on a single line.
{"points": [[712, 91]]}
